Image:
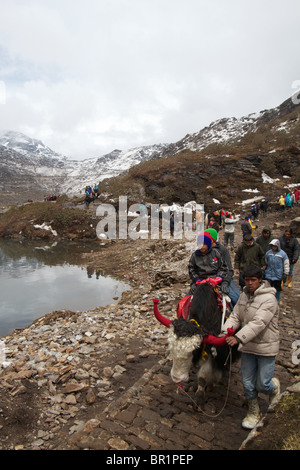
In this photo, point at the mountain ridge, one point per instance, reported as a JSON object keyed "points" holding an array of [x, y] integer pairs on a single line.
{"points": [[30, 169]]}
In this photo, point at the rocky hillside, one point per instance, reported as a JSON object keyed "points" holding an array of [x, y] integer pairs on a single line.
{"points": [[218, 162], [265, 159]]}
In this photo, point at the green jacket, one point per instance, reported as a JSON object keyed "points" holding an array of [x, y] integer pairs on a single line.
{"points": [[265, 242], [246, 255]]}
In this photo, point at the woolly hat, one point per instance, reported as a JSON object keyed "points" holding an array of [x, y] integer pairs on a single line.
{"points": [[212, 233], [204, 238]]}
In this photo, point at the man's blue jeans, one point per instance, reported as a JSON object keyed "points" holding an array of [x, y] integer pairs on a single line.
{"points": [[257, 373]]}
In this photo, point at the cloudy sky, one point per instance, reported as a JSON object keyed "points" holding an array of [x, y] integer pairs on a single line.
{"points": [[89, 76]]}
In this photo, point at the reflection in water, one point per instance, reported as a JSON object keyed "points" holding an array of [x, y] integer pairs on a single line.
{"points": [[36, 280]]}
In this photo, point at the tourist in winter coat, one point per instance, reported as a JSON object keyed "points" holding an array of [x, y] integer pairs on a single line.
{"points": [[265, 238], [290, 245], [229, 226], [282, 203], [255, 320], [264, 206], [246, 227], [277, 266], [288, 201], [247, 253], [234, 292], [207, 262]]}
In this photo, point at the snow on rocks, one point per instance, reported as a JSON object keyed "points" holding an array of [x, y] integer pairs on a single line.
{"points": [[46, 227]]}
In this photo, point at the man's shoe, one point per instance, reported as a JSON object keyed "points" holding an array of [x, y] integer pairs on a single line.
{"points": [[253, 416], [276, 390]]}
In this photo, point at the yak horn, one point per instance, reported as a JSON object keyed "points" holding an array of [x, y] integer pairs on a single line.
{"points": [[165, 321]]}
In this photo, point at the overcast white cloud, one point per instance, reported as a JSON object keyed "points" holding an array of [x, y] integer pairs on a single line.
{"points": [[89, 76]]}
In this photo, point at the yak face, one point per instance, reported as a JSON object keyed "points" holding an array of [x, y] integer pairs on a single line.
{"points": [[183, 338]]}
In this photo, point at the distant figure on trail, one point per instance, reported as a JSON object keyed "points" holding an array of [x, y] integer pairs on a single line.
{"points": [[229, 226], [282, 203], [246, 227], [264, 206]]}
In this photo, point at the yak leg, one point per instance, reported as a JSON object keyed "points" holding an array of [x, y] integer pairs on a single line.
{"points": [[208, 375]]}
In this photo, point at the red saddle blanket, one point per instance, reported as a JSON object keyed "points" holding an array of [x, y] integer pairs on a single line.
{"points": [[184, 304]]}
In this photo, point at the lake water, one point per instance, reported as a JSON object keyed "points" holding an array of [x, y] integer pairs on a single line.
{"points": [[36, 279]]}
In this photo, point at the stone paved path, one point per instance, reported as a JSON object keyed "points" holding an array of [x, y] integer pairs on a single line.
{"points": [[152, 415]]}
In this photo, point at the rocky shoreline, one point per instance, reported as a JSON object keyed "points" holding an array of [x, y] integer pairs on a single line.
{"points": [[99, 379], [63, 363]]}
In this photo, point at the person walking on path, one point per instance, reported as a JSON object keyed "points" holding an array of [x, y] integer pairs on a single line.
{"points": [[229, 226], [255, 321], [288, 201], [290, 245], [282, 203], [264, 206], [277, 266], [247, 253], [265, 238], [246, 227]]}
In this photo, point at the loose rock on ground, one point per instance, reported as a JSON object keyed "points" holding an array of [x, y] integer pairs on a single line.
{"points": [[99, 379]]}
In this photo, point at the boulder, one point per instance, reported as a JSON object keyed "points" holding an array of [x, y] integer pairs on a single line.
{"points": [[295, 226]]}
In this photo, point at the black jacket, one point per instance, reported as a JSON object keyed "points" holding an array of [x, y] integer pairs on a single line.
{"points": [[290, 247], [209, 265]]}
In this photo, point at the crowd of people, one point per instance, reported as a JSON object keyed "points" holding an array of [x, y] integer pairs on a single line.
{"points": [[92, 192], [51, 197], [262, 266], [276, 257], [289, 199]]}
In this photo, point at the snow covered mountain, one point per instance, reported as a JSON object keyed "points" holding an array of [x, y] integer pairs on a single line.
{"points": [[230, 129], [30, 169], [25, 145], [94, 170]]}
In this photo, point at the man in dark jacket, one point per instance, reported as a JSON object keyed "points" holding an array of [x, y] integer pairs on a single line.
{"points": [[290, 244], [248, 253], [234, 292], [246, 227], [265, 239], [207, 262]]}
